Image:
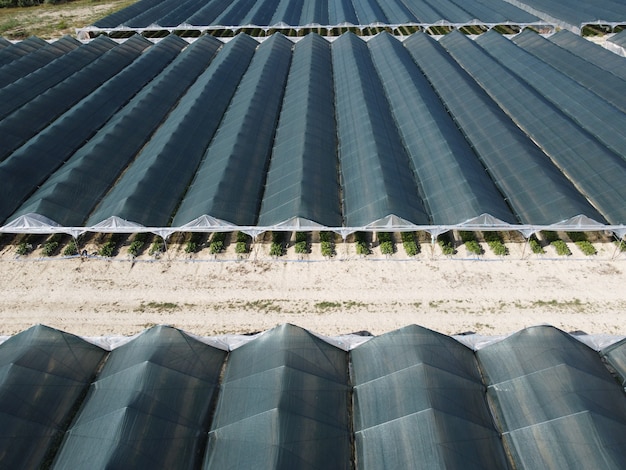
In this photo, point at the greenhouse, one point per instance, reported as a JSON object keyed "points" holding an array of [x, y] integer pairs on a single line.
{"points": [[310, 133], [287, 397]]}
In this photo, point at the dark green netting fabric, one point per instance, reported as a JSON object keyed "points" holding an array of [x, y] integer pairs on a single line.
{"points": [[557, 405], [535, 189], [454, 184], [14, 51], [229, 182], [154, 183], [302, 180], [33, 162], [419, 402], [122, 16], [71, 192], [592, 53], [50, 104], [597, 172], [16, 94], [148, 407], [616, 357], [376, 176], [283, 404], [619, 39], [607, 86], [38, 59], [601, 119], [43, 373]]}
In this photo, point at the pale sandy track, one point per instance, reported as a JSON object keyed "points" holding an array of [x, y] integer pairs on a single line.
{"points": [[98, 297]]}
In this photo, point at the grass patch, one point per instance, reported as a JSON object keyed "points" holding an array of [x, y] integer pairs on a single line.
{"points": [[52, 21], [158, 306]]}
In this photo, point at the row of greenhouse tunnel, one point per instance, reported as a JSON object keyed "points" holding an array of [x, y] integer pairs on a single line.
{"points": [[342, 133], [288, 398]]}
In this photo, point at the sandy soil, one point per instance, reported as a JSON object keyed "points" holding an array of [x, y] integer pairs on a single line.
{"points": [[207, 296]]}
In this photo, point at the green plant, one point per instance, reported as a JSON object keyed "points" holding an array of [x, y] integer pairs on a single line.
{"points": [[621, 245], [24, 248], [302, 246], [446, 244], [474, 247], [387, 248], [385, 240], [243, 243], [494, 241], [327, 244], [586, 247], [467, 236], [535, 246], [561, 248], [192, 242], [550, 237], [70, 249], [277, 247], [157, 247], [49, 248], [217, 243], [410, 244], [361, 244], [243, 237], [134, 247], [107, 249], [576, 236]]}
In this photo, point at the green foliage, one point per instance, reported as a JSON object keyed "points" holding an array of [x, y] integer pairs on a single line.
{"points": [[327, 237], [387, 248], [385, 240], [577, 236], [107, 249], [467, 236], [410, 244], [157, 247], [498, 248], [243, 237], [561, 248], [361, 244], [216, 246], [135, 246], [278, 244], [328, 249], [52, 245], [49, 248], [24, 248], [535, 246], [621, 245], [550, 236], [242, 245], [586, 247], [494, 241], [327, 244], [139, 240], [301, 246], [193, 242], [474, 247], [446, 244], [70, 249]]}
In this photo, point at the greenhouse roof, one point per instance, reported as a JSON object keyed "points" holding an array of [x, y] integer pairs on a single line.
{"points": [[295, 17], [310, 134], [289, 398]]}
